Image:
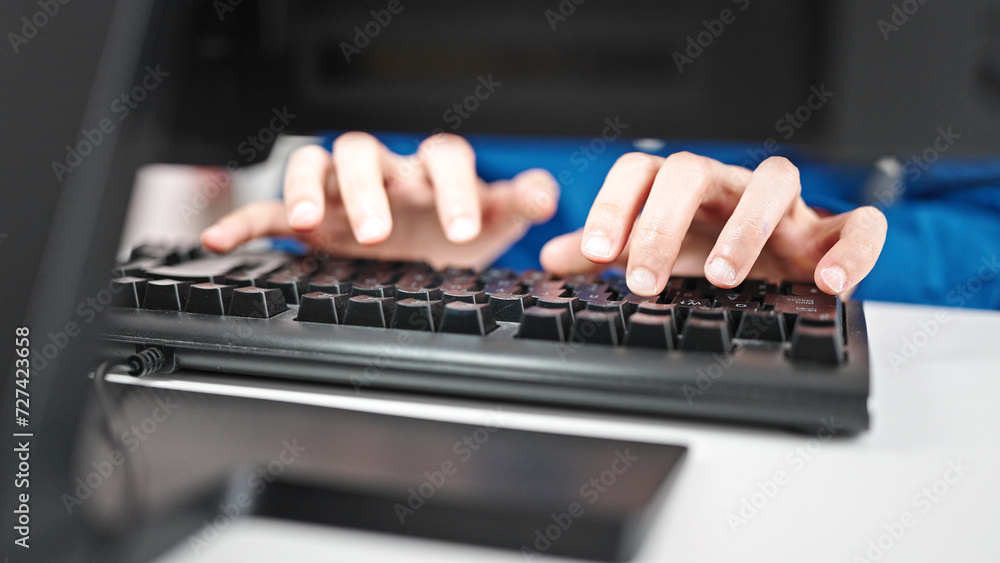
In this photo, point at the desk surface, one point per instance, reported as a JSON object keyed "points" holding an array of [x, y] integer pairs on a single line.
{"points": [[922, 485]]}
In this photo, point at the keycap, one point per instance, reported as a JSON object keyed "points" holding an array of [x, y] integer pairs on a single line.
{"points": [[605, 306], [291, 286], [651, 331], [366, 310], [464, 295], [817, 339], [330, 284], [548, 289], [422, 293], [540, 323], [374, 289], [761, 325], [166, 295], [322, 307], [598, 327], [468, 318], [510, 306], [209, 298], [804, 289], [245, 280], [129, 291], [257, 302], [706, 330], [570, 304], [793, 306], [634, 300], [417, 314]]}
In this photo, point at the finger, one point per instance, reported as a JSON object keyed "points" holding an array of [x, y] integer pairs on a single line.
{"points": [[254, 220], [682, 185], [617, 205], [305, 180], [530, 197], [358, 163], [451, 166], [562, 255], [773, 192], [854, 254]]}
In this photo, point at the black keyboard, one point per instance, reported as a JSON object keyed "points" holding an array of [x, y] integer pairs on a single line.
{"points": [[782, 355]]}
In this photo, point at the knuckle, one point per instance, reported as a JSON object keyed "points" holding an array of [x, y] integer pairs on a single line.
{"points": [[638, 161], [781, 168], [692, 167], [870, 218], [354, 140], [654, 235], [454, 144], [608, 212]]}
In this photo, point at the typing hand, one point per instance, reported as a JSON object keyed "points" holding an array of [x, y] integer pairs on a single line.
{"points": [[367, 201], [698, 214]]}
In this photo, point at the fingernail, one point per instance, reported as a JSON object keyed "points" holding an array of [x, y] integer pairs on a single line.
{"points": [[598, 246], [304, 213], [835, 277], [461, 229], [642, 282], [371, 229], [720, 270]]}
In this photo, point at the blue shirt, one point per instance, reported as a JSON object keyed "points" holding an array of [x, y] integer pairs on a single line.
{"points": [[944, 224]]}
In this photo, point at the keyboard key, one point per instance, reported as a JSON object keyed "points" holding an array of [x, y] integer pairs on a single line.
{"points": [[166, 295], [209, 298], [761, 325], [291, 286], [322, 307], [510, 306], [540, 323], [367, 310], [605, 306], [129, 291], [417, 314], [817, 339], [706, 331], [651, 331], [598, 327], [257, 302], [422, 293], [464, 295], [330, 284], [374, 289], [468, 318], [570, 304], [634, 300]]}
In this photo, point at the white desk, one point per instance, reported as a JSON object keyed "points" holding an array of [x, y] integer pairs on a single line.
{"points": [[934, 411]]}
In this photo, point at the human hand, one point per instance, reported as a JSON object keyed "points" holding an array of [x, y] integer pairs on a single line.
{"points": [[367, 201], [699, 215]]}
